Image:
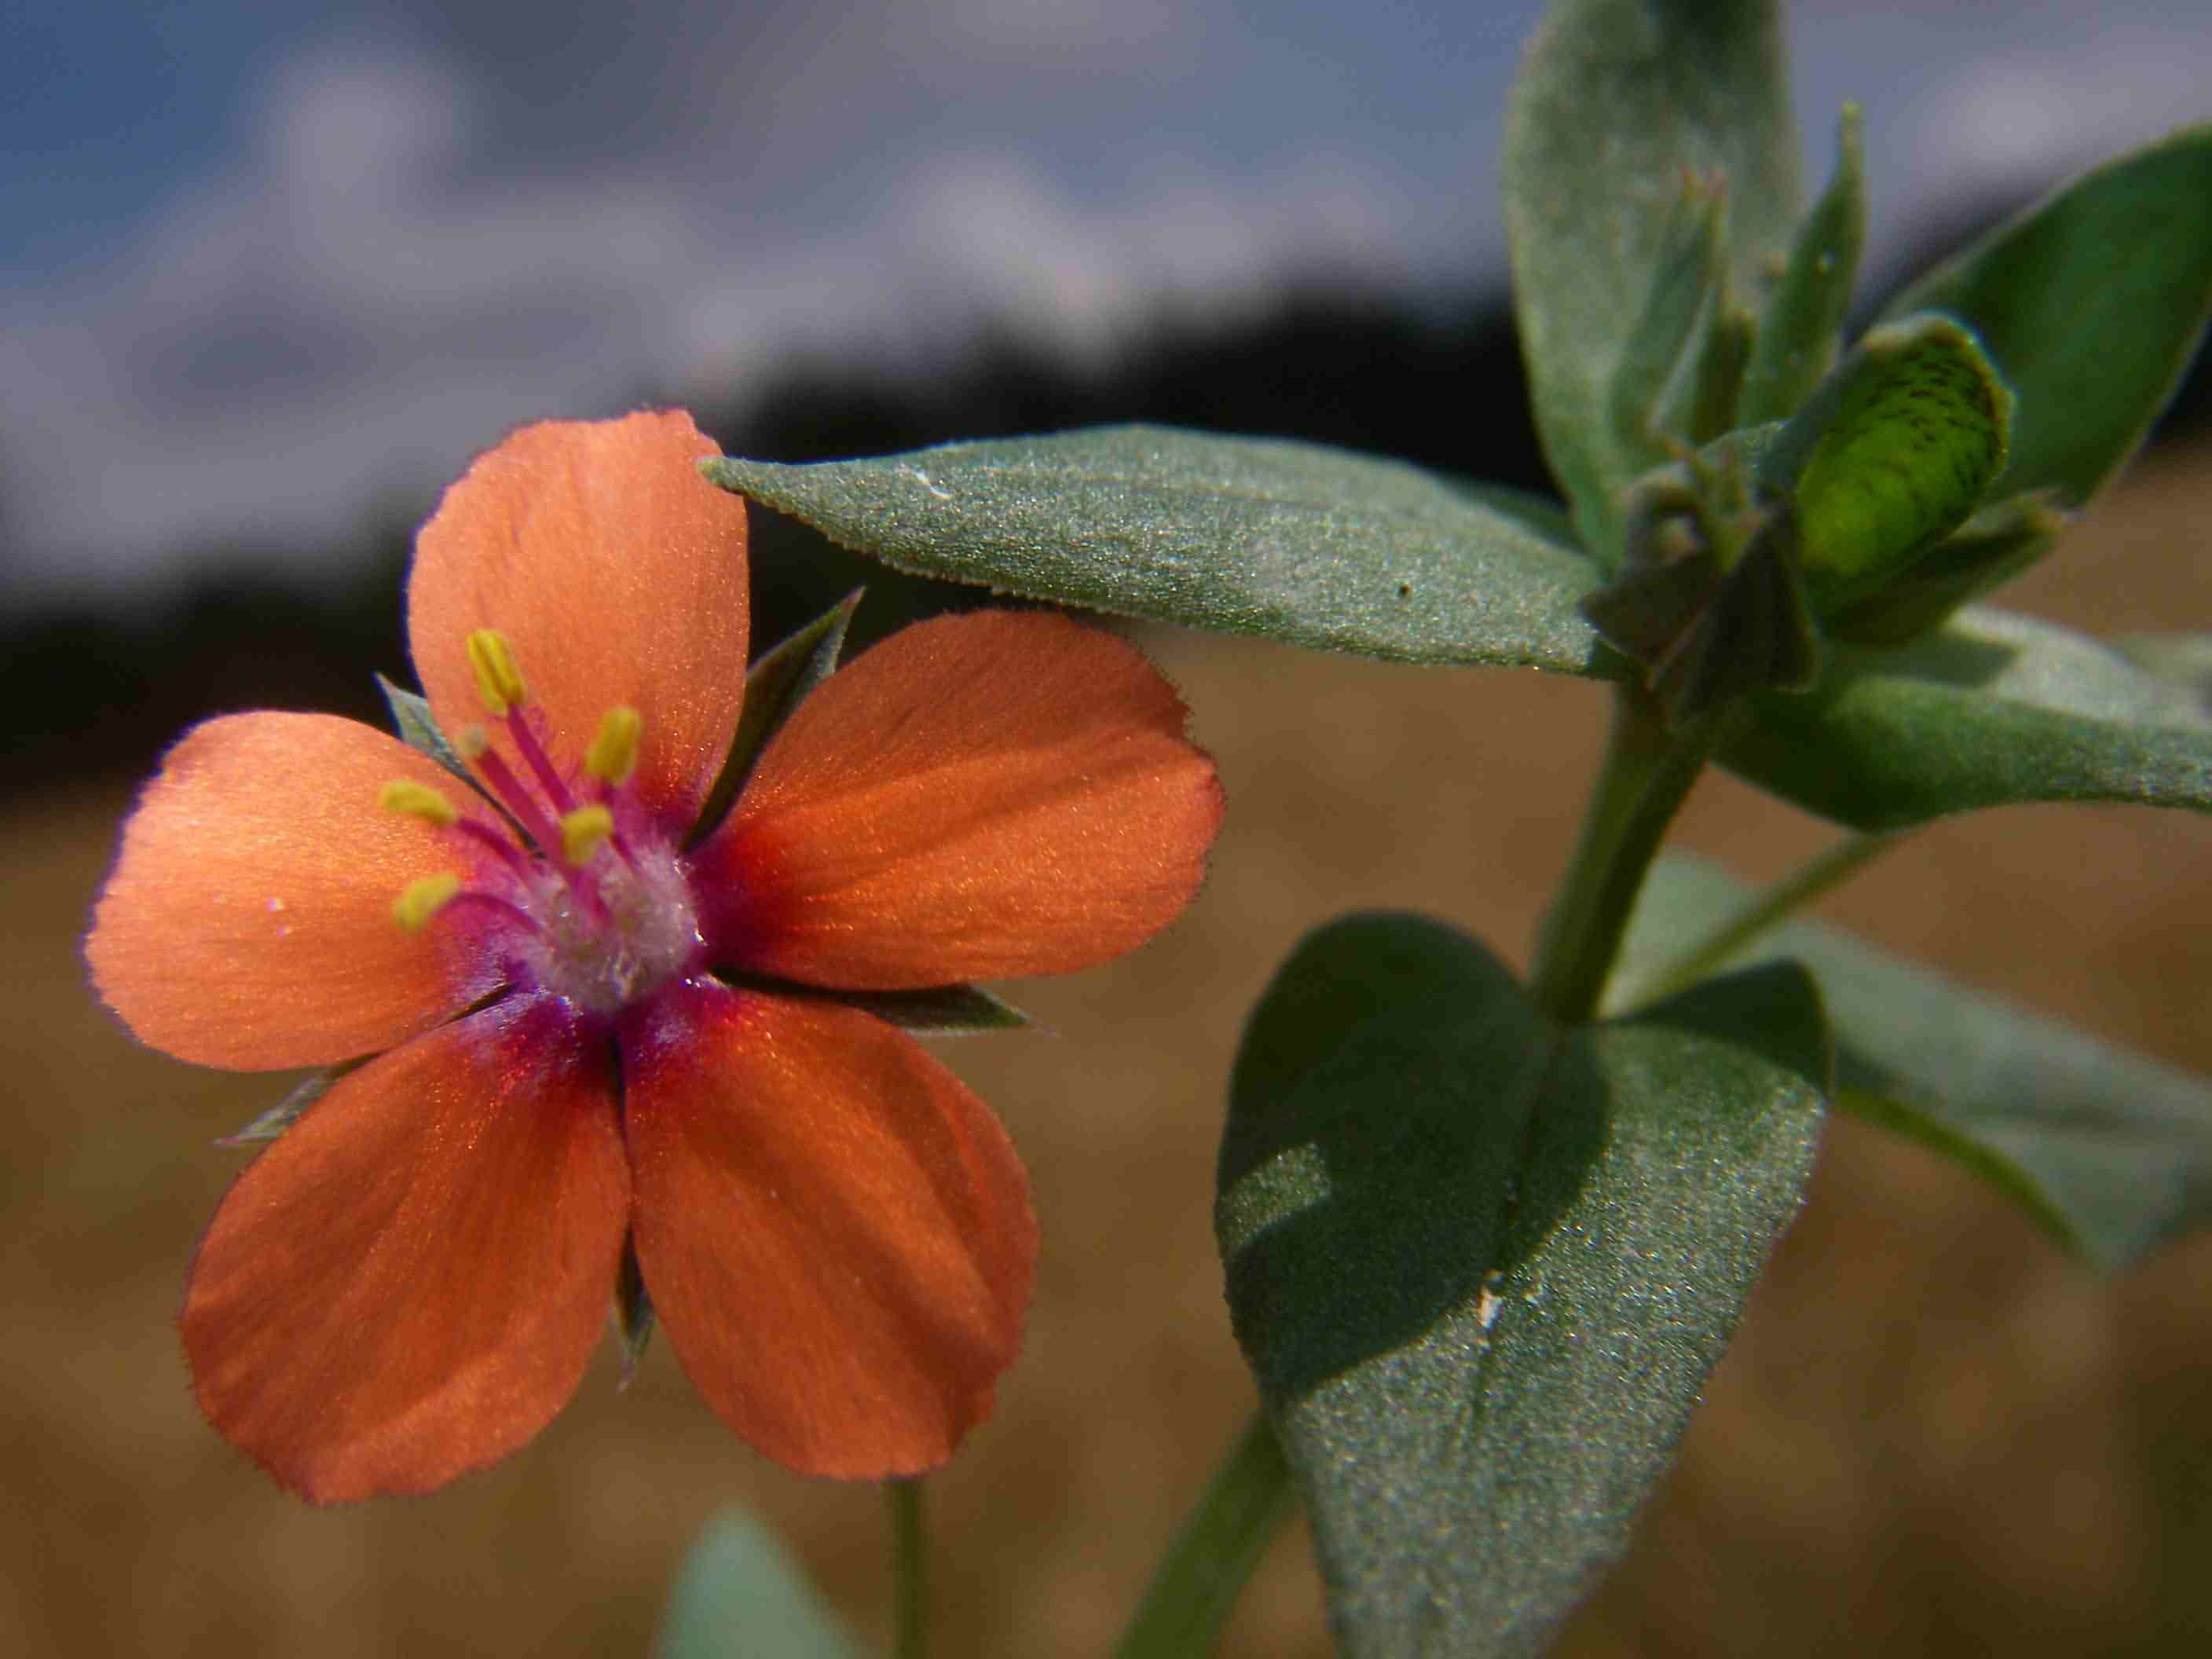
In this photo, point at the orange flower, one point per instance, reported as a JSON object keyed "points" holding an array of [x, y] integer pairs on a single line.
{"points": [[604, 1029]]}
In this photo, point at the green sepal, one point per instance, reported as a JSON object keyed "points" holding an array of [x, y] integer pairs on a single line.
{"points": [[1299, 543], [2091, 302], [775, 687], [1991, 547], [1797, 336], [940, 1010], [272, 1123], [633, 1312], [1890, 454], [1618, 100], [932, 1010], [418, 729], [2109, 1151], [1481, 1265], [1711, 602]]}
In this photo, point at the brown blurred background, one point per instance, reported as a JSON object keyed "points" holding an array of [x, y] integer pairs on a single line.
{"points": [[1932, 1435]]}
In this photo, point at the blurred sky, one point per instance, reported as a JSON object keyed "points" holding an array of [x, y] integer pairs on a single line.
{"points": [[265, 266]]}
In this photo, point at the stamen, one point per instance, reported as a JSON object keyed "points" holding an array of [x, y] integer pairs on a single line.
{"points": [[498, 680], [613, 754], [583, 831], [422, 899], [518, 801], [417, 800], [499, 844], [525, 738]]}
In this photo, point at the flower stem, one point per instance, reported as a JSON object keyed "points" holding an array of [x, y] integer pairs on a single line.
{"points": [[1647, 772], [1197, 1581], [1774, 906], [909, 1567]]}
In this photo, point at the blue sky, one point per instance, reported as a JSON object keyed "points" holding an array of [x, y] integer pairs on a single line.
{"points": [[267, 265]]}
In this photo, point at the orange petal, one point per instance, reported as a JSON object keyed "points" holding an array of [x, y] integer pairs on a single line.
{"points": [[248, 921], [409, 1284], [619, 575], [835, 1233], [980, 797]]}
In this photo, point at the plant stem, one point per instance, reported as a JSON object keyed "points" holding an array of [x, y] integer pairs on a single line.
{"points": [[909, 1567], [1647, 771], [1774, 906], [1197, 1581]]}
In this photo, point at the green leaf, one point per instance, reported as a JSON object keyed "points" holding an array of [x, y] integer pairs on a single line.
{"points": [[2183, 661], [741, 1595], [775, 687], [1616, 102], [2090, 302], [285, 1113], [2118, 1145], [1978, 1157], [1689, 285], [1482, 1265], [1891, 454], [1992, 710], [1796, 338], [1292, 542]]}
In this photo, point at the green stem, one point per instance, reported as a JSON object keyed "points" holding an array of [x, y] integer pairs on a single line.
{"points": [[1774, 906], [1198, 1580], [909, 1567], [1647, 771]]}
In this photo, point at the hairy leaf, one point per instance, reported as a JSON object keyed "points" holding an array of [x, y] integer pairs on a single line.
{"points": [[1992, 710], [1292, 541], [1618, 101], [2090, 302], [741, 1594], [1482, 1265], [2118, 1146]]}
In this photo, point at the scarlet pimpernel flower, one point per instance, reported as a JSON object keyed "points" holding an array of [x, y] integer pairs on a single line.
{"points": [[597, 1024]]}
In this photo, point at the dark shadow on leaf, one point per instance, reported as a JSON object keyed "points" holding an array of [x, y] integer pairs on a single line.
{"points": [[1773, 1010], [1404, 1125]]}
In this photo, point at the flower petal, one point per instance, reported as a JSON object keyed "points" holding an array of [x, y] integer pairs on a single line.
{"points": [[837, 1235], [617, 573], [248, 920], [409, 1284], [980, 797]]}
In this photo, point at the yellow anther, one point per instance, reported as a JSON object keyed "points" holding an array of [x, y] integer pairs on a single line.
{"points": [[471, 742], [497, 678], [422, 899], [417, 800], [583, 831], [613, 754]]}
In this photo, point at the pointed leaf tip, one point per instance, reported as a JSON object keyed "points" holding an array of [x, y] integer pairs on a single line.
{"points": [[1296, 543]]}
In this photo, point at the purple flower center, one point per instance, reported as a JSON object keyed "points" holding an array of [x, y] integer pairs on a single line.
{"points": [[576, 887]]}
